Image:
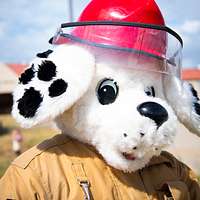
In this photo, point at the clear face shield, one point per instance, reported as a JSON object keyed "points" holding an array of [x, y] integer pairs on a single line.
{"points": [[139, 46]]}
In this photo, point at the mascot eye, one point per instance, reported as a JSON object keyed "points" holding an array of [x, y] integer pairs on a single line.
{"points": [[107, 91], [150, 91]]}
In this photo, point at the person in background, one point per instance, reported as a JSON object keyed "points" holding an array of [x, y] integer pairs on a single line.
{"points": [[17, 139]]}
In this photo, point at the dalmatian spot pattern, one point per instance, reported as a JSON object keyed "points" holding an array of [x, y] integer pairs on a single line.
{"points": [[51, 40], [29, 103], [197, 108], [196, 105], [44, 54], [46, 71], [57, 88], [27, 76], [194, 93]]}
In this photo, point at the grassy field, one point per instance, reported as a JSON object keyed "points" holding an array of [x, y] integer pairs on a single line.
{"points": [[30, 138]]}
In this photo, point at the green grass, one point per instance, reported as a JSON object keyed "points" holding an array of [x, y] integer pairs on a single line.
{"points": [[31, 137]]}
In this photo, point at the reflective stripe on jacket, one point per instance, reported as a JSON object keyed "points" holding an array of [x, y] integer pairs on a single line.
{"points": [[61, 168]]}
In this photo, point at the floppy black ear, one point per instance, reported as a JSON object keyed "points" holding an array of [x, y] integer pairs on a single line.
{"points": [[185, 101], [53, 82]]}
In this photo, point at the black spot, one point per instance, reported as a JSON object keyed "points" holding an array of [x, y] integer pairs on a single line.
{"points": [[29, 103], [197, 108], [134, 148], [27, 76], [153, 91], [51, 40], [57, 88], [47, 70], [44, 54], [194, 92], [150, 91], [125, 135], [142, 134]]}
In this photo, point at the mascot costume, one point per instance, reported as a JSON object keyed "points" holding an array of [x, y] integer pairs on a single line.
{"points": [[112, 85]]}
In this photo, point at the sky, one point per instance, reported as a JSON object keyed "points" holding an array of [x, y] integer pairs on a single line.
{"points": [[26, 26]]}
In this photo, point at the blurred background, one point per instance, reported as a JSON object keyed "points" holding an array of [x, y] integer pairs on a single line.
{"points": [[25, 28]]}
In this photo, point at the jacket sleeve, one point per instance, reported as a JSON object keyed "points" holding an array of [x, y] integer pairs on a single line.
{"points": [[188, 176], [20, 184]]}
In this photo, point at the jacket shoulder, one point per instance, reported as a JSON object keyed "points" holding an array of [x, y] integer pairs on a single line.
{"points": [[164, 158], [170, 157], [175, 162], [27, 157]]}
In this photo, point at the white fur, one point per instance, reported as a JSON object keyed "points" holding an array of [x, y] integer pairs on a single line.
{"points": [[180, 97], [103, 126], [76, 66]]}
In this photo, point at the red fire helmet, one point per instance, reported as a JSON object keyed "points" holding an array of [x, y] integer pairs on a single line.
{"points": [[142, 11], [130, 25]]}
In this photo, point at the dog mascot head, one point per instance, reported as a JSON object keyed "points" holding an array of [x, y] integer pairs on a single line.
{"points": [[112, 81]]}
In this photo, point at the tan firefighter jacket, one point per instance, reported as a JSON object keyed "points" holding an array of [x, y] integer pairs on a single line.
{"points": [[62, 168]]}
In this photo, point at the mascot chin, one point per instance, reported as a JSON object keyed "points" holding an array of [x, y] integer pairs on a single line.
{"points": [[112, 85]]}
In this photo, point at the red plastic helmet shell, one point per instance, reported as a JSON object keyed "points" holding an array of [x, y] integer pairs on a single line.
{"points": [[139, 11], [126, 37]]}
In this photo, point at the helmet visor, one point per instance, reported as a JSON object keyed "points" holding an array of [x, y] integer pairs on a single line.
{"points": [[135, 42]]}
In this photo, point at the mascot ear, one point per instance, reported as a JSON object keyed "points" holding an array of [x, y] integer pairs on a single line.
{"points": [[185, 102], [52, 84]]}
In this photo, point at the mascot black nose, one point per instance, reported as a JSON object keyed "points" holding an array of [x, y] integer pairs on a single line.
{"points": [[153, 111]]}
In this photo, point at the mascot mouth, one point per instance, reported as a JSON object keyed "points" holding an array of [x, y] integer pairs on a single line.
{"points": [[129, 156]]}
